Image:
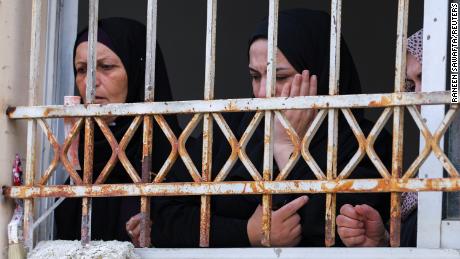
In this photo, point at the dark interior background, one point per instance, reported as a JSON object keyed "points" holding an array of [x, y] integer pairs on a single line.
{"points": [[369, 28]]}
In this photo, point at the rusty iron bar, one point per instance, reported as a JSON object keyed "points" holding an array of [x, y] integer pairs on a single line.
{"points": [[362, 142], [62, 153], [237, 188], [334, 76], [183, 150], [118, 150], [269, 117], [65, 148], [432, 142], [164, 170], [311, 132], [30, 174], [244, 142], [365, 144], [89, 124], [205, 212], [233, 144], [398, 121], [231, 105], [87, 180], [56, 150], [123, 144], [150, 56], [284, 172], [379, 125], [113, 145]]}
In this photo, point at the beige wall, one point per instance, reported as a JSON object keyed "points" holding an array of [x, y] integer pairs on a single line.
{"points": [[15, 21]]}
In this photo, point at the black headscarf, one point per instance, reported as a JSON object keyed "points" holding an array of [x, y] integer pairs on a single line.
{"points": [[127, 39]]}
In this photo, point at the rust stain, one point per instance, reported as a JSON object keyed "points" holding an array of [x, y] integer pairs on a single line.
{"points": [[384, 101], [10, 110]]}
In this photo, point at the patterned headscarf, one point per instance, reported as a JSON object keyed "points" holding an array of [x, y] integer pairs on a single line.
{"points": [[415, 45], [409, 200], [415, 48]]}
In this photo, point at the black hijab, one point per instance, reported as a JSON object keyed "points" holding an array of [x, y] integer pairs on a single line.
{"points": [[127, 39]]}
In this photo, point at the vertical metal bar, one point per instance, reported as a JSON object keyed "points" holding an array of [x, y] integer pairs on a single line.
{"points": [[32, 124], [269, 118], [333, 115], [435, 37], [398, 122], [87, 180], [205, 215], [89, 124], [150, 59]]}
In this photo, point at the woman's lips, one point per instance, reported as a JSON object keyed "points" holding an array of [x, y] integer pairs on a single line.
{"points": [[100, 100]]}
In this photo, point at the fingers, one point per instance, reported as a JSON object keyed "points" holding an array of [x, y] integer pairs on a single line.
{"points": [[354, 241], [313, 89], [350, 212], [292, 207], [286, 89], [297, 82], [133, 221], [305, 86], [350, 232], [368, 212], [297, 231], [292, 222], [344, 221]]}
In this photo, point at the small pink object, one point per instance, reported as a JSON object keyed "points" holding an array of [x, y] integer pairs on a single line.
{"points": [[68, 124], [17, 171]]}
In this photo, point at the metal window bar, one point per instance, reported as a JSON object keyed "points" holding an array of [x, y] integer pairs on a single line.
{"points": [[205, 215], [333, 117], [398, 122], [152, 6], [269, 118], [89, 124], [32, 124], [209, 108]]}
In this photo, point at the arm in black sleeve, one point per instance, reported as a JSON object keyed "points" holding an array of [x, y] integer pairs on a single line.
{"points": [[178, 225]]}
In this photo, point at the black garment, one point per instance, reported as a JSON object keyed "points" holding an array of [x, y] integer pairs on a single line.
{"points": [[127, 38], [409, 230], [304, 40]]}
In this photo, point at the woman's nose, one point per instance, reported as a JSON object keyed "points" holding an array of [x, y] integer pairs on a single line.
{"points": [[262, 88], [98, 79]]}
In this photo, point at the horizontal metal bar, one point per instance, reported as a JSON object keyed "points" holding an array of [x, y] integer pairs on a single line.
{"points": [[233, 188], [231, 105]]}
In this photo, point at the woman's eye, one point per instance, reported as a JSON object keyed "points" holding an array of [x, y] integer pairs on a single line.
{"points": [[81, 70], [107, 66], [409, 86], [255, 77], [281, 78]]}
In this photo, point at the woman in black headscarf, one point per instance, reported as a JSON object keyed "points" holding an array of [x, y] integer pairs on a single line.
{"points": [[303, 50], [120, 78]]}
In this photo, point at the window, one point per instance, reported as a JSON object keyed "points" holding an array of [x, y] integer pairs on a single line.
{"points": [[437, 110]]}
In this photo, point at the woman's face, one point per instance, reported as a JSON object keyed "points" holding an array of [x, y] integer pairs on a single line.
{"points": [[413, 74], [111, 76], [285, 72]]}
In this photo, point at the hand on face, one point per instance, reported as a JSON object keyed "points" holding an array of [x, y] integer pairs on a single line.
{"points": [[133, 227], [301, 85], [361, 226], [286, 229]]}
